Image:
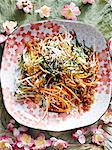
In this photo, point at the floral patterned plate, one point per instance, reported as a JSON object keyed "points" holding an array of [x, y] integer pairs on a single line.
{"points": [[28, 113]]}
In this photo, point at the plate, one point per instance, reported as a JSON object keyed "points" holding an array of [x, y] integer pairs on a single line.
{"points": [[28, 113]]}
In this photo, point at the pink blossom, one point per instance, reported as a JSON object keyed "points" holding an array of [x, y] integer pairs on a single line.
{"points": [[25, 5], [110, 46], [58, 143], [98, 136], [25, 140], [19, 4], [10, 126], [41, 143], [16, 132], [79, 134], [4, 137], [9, 26], [107, 117], [5, 143], [82, 139], [88, 1], [70, 11], [2, 38], [44, 11]]}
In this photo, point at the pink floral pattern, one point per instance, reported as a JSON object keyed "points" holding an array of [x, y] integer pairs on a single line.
{"points": [[55, 28], [48, 24], [40, 35], [31, 105], [22, 140]]}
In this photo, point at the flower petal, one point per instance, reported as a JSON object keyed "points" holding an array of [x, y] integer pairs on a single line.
{"points": [[53, 139], [48, 143], [23, 129], [26, 10], [79, 132], [20, 144], [82, 139], [70, 11], [88, 1], [98, 139], [10, 126], [72, 5], [19, 5], [9, 26], [41, 14], [76, 11], [44, 11], [91, 1], [2, 38], [10, 141], [25, 139], [16, 132], [26, 148]]}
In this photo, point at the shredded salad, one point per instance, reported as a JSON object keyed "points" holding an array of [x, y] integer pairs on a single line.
{"points": [[58, 73]]}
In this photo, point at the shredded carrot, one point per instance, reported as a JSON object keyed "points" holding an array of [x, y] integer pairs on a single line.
{"points": [[58, 98], [59, 73], [43, 70], [70, 90]]}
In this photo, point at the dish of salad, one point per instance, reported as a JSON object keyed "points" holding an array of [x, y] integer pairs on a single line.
{"points": [[56, 75]]}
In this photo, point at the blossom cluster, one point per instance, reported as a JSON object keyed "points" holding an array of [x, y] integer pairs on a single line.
{"points": [[21, 139], [24, 5], [96, 132], [24, 141], [98, 135]]}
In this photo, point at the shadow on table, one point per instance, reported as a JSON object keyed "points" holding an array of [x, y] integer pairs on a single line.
{"points": [[4, 116], [1, 52]]}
